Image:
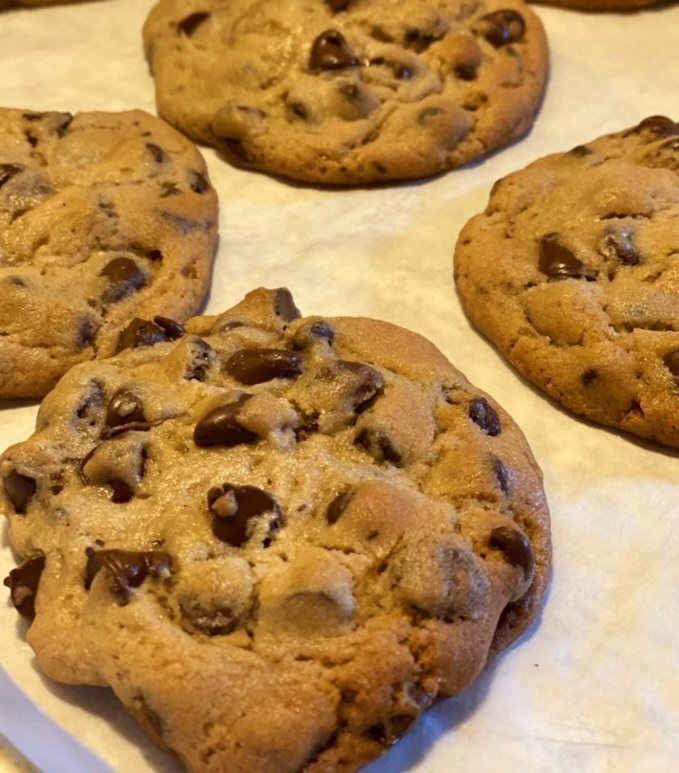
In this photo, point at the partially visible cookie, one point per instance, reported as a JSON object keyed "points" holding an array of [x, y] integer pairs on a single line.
{"points": [[601, 5], [32, 3], [278, 539], [103, 217], [573, 272], [348, 91]]}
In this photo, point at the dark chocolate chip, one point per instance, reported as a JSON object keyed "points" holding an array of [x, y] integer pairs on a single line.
{"points": [[19, 489], [378, 445], [255, 366], [7, 171], [388, 732], [199, 183], [201, 359], [419, 41], [88, 407], [503, 27], [402, 72], [124, 277], [659, 124], [233, 506], [172, 329], [309, 427], [191, 23], [671, 360], [220, 427], [284, 305], [84, 333], [366, 383], [619, 243], [338, 506], [501, 474], [141, 332], [557, 261], [159, 155], [330, 51], [127, 569], [466, 72], [211, 622], [337, 5], [122, 491], [515, 547], [23, 585], [580, 151], [481, 412], [588, 377], [124, 412]]}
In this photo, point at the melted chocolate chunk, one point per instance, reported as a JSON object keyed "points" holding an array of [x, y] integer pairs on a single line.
{"points": [[124, 277], [366, 383], [211, 622], [19, 489], [379, 446], [557, 261], [515, 546], [23, 585], [482, 413], [503, 27], [338, 506], [124, 409], [233, 506], [127, 569], [671, 360], [330, 51], [618, 243], [122, 491], [172, 329], [159, 155], [201, 359], [141, 332], [7, 171], [659, 124], [219, 427], [191, 23], [255, 366], [284, 305]]}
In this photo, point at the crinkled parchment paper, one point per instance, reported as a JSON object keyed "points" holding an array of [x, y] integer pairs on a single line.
{"points": [[594, 685]]}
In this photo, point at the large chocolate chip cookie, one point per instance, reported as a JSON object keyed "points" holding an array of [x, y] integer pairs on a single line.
{"points": [[278, 539], [103, 216], [573, 272], [348, 91]]}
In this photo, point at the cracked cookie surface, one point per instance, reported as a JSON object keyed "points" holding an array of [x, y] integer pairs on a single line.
{"points": [[103, 216], [348, 92], [277, 538], [573, 272]]}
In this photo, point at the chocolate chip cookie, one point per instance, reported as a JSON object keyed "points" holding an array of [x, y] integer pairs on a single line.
{"points": [[277, 538], [601, 5], [103, 216], [348, 91], [32, 3], [573, 272]]}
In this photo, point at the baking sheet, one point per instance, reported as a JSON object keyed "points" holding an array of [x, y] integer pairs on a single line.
{"points": [[594, 685]]}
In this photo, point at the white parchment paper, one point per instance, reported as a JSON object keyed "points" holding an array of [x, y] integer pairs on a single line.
{"points": [[594, 685]]}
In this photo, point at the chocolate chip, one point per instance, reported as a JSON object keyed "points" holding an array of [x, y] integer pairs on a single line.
{"points": [[378, 445], [419, 41], [284, 305], [482, 413], [211, 622], [388, 732], [337, 5], [191, 23], [19, 489], [7, 171], [366, 383], [234, 149], [503, 27], [172, 329], [199, 183], [671, 360], [580, 151], [125, 412], [159, 155], [466, 72], [338, 506], [402, 72], [127, 569], [122, 491], [201, 359], [330, 51], [588, 377], [515, 546], [124, 276], [557, 261], [23, 585], [233, 506], [618, 243], [501, 474], [220, 427], [141, 332], [255, 366], [84, 334], [659, 124]]}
